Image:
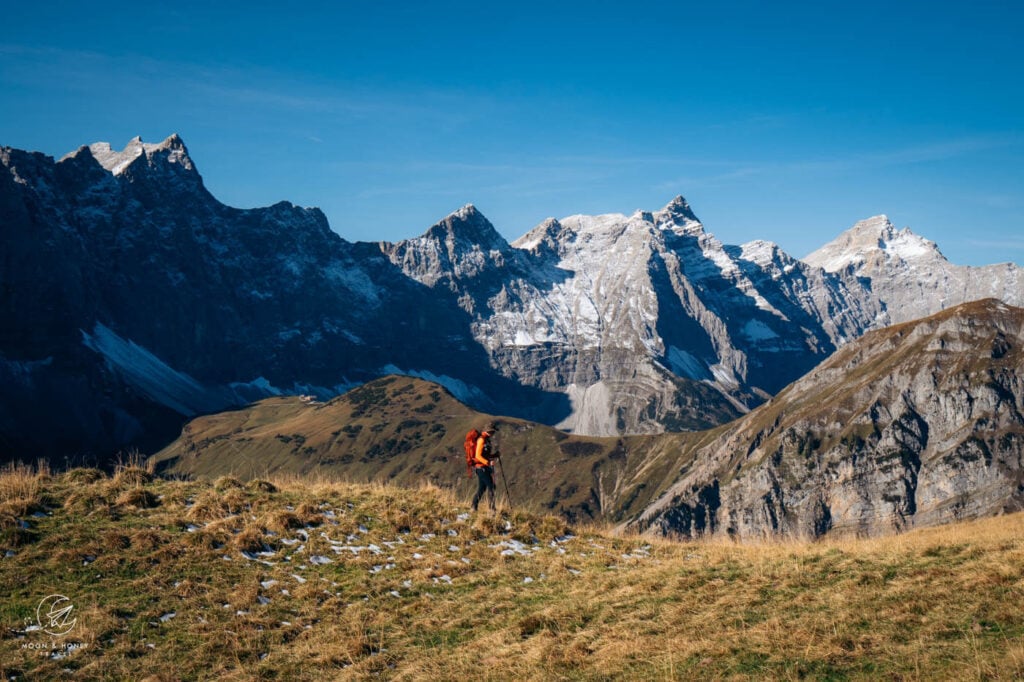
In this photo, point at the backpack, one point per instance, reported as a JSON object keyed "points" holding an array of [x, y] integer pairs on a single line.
{"points": [[470, 446]]}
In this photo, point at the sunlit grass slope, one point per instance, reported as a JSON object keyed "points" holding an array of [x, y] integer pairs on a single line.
{"points": [[408, 431], [307, 579]]}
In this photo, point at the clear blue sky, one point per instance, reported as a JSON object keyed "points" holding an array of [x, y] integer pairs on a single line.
{"points": [[783, 121]]}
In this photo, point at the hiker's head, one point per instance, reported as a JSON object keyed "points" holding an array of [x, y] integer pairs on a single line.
{"points": [[490, 428]]}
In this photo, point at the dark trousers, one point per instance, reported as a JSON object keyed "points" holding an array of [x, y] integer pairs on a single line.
{"points": [[484, 482]]}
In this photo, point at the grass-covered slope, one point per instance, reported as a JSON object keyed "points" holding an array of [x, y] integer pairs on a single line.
{"points": [[409, 432], [307, 579]]}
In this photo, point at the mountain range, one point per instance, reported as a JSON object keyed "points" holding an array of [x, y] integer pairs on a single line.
{"points": [[913, 425], [133, 300]]}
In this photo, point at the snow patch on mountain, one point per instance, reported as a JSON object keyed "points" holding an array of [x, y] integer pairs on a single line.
{"points": [[908, 246], [458, 388], [755, 330], [152, 376], [686, 365]]}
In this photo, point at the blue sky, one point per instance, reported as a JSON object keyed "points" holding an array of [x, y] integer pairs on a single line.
{"points": [[780, 121]]}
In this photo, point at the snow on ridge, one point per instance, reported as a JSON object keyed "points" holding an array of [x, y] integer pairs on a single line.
{"points": [[759, 251], [356, 280]]}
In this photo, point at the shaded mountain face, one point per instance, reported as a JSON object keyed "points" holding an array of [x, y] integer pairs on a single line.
{"points": [[913, 425], [133, 299]]}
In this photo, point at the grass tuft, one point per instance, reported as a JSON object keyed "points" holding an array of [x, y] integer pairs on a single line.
{"points": [[226, 483], [21, 486], [139, 498], [260, 485]]}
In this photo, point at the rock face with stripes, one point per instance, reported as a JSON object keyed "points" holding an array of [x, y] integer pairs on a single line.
{"points": [[912, 425]]}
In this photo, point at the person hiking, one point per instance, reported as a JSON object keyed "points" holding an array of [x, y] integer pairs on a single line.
{"points": [[483, 465]]}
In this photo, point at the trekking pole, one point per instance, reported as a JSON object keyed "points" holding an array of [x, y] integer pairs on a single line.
{"points": [[501, 468], [504, 480]]}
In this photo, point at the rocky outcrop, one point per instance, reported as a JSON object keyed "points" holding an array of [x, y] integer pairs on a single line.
{"points": [[913, 425]]}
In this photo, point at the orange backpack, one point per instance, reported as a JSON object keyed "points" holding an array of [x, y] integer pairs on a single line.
{"points": [[470, 446]]}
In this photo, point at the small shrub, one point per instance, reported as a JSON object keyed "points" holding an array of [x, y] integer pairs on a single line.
{"points": [[133, 470], [19, 484], [87, 499], [146, 539], [209, 506], [236, 500], [309, 514]]}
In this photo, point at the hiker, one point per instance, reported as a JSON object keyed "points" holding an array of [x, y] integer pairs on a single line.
{"points": [[483, 464]]}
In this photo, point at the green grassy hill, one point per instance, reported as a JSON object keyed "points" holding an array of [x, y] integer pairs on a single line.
{"points": [[409, 432], [305, 579]]}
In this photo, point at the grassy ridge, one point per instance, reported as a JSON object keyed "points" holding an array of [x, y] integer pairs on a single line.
{"points": [[406, 431], [302, 579]]}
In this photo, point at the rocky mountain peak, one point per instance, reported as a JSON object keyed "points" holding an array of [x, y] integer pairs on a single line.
{"points": [[461, 246], [761, 252], [865, 236], [543, 239], [677, 215], [172, 150], [466, 228]]}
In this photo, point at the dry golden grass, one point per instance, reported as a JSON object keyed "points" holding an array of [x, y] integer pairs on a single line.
{"points": [[21, 485], [326, 580], [227, 482]]}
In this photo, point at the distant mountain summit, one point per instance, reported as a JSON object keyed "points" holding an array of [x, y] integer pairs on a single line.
{"points": [[907, 274], [133, 299], [172, 150]]}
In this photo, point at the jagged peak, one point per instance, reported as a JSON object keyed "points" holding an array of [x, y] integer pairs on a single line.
{"points": [[544, 235], [678, 214], [680, 206], [118, 162], [467, 224], [878, 225]]}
